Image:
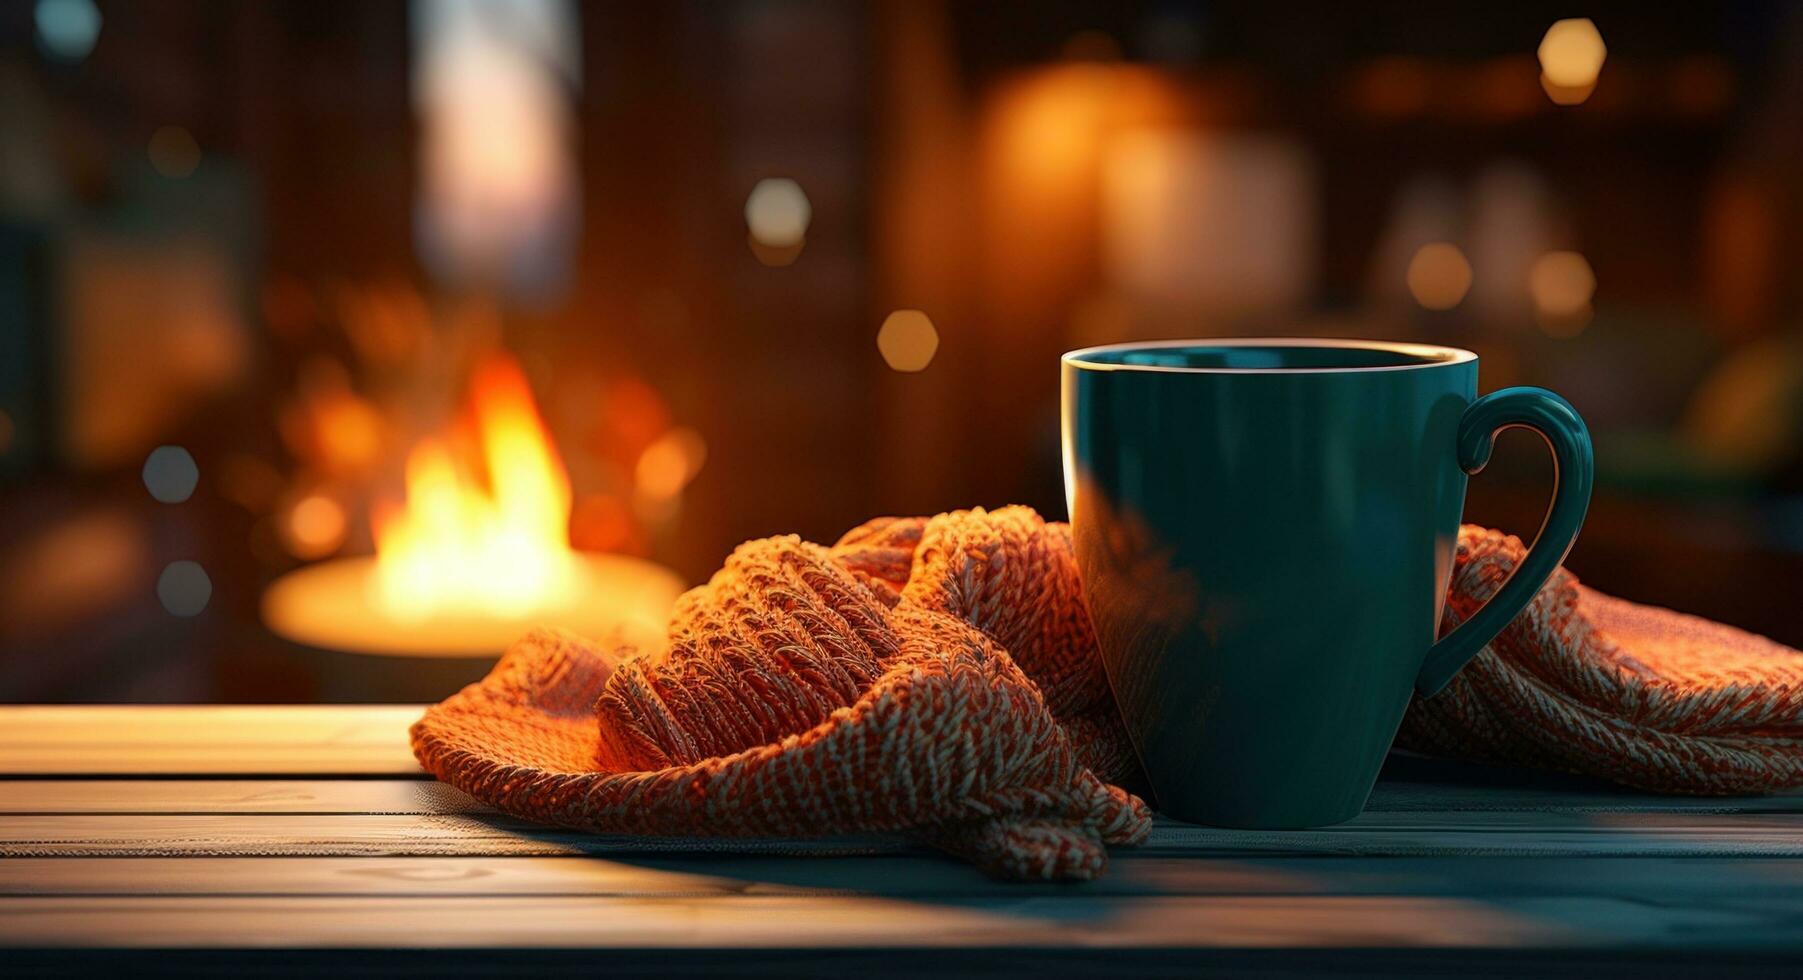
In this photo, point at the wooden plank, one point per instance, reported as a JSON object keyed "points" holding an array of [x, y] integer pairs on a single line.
{"points": [[1410, 834], [406, 863], [271, 877], [1397, 796], [364, 740], [1505, 834], [1309, 963], [913, 877], [417, 796], [149, 740], [75, 796], [841, 922], [751, 922], [319, 835], [366, 877]]}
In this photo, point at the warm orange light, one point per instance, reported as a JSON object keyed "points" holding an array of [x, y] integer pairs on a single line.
{"points": [[1439, 276], [908, 340], [350, 432], [1571, 56], [315, 527], [667, 465], [1572, 53], [1563, 285], [502, 545]]}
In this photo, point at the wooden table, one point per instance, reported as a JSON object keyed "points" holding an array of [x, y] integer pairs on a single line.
{"points": [[302, 839]]}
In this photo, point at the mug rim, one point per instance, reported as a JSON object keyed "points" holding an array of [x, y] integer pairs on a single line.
{"points": [[1430, 355]]}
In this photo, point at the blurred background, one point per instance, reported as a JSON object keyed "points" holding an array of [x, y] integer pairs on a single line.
{"points": [[285, 283]]}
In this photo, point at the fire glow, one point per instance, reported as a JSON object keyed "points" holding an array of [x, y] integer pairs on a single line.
{"points": [[477, 551], [500, 544]]}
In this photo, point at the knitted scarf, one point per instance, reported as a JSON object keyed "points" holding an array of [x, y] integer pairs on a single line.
{"points": [[938, 676]]}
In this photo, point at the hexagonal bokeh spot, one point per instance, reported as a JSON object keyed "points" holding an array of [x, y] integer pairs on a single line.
{"points": [[1439, 276], [170, 474], [778, 213], [184, 588], [1572, 53], [67, 29], [1562, 283], [908, 340]]}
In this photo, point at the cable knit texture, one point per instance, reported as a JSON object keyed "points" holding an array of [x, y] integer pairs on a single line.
{"points": [[939, 676], [1587, 683]]}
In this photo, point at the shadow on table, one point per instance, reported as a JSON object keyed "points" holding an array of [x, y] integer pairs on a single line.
{"points": [[1452, 842]]}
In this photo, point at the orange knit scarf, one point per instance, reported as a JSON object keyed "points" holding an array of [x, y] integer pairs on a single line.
{"points": [[939, 676]]}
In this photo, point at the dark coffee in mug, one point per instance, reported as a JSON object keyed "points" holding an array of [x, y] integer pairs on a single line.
{"points": [[1265, 531]]}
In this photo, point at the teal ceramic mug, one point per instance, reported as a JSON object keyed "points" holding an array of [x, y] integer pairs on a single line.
{"points": [[1265, 530]]}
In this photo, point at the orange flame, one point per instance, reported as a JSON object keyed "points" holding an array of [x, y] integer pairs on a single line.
{"points": [[502, 546]]}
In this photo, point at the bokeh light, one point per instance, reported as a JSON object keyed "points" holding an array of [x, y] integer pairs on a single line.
{"points": [[1561, 282], [778, 213], [67, 29], [184, 588], [170, 474], [1572, 52], [499, 199], [1571, 56], [1562, 285], [314, 527], [330, 426], [908, 340], [669, 463], [1439, 276], [173, 152]]}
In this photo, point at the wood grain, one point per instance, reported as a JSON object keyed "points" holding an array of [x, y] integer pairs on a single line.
{"points": [[172, 795], [258, 740], [349, 835], [78, 796], [754, 921], [290, 829], [907, 876], [1404, 834], [1395, 796], [760, 921], [371, 740]]}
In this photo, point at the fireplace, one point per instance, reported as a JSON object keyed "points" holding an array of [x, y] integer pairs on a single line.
{"points": [[475, 552]]}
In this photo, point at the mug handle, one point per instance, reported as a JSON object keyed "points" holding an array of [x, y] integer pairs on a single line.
{"points": [[1573, 473]]}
